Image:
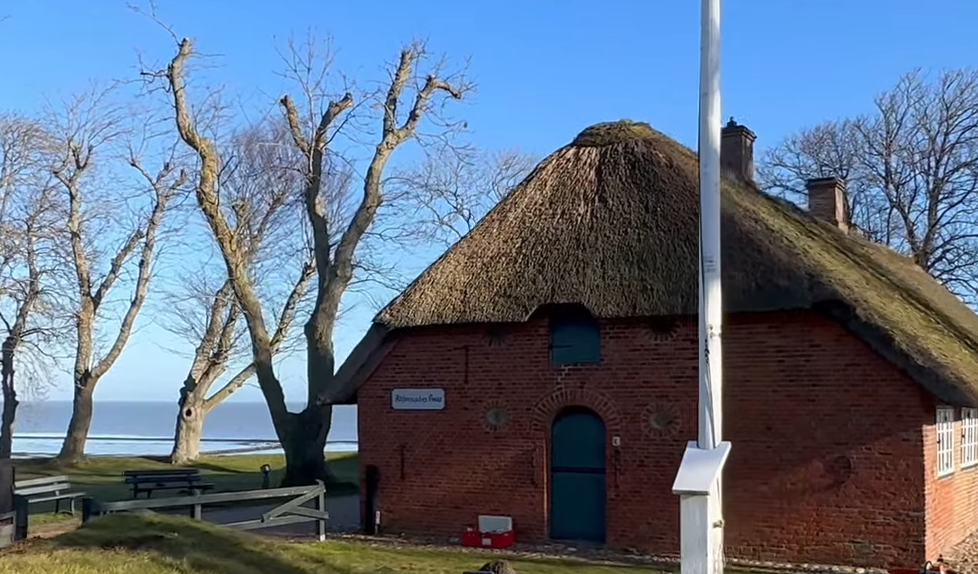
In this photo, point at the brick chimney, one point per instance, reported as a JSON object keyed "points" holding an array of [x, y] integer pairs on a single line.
{"points": [[737, 152], [827, 201]]}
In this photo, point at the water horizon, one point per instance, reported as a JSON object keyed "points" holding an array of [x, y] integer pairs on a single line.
{"points": [[146, 428]]}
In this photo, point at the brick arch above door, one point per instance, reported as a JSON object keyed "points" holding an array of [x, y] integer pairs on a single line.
{"points": [[551, 404]]}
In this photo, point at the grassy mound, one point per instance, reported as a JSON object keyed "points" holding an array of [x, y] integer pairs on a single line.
{"points": [[149, 545], [156, 544]]}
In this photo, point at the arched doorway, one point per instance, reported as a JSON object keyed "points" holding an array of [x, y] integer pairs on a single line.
{"points": [[578, 491]]}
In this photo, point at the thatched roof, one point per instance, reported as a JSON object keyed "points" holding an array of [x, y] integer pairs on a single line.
{"points": [[611, 222]]}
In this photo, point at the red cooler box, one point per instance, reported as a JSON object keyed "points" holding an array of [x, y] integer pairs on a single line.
{"points": [[492, 532]]}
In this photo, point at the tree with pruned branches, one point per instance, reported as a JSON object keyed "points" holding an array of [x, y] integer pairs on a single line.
{"points": [[313, 126], [114, 210], [258, 188], [911, 168]]}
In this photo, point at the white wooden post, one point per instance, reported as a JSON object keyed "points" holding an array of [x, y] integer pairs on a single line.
{"points": [[700, 516]]}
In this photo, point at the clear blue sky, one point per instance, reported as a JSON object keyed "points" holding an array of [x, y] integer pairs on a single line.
{"points": [[545, 69]]}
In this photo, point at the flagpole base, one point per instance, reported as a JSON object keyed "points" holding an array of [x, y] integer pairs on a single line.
{"points": [[701, 547], [698, 484]]}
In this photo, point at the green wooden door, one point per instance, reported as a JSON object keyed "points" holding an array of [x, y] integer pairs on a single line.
{"points": [[577, 477]]}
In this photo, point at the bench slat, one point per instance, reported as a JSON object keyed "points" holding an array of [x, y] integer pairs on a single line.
{"points": [[40, 481], [42, 489], [191, 489], [161, 479], [65, 496], [164, 472], [181, 487], [146, 483]]}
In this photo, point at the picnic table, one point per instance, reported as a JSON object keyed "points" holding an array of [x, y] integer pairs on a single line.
{"points": [[188, 480], [48, 489]]}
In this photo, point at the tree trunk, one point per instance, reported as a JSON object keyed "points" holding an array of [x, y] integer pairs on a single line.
{"points": [[73, 447], [190, 430], [7, 419], [304, 444]]}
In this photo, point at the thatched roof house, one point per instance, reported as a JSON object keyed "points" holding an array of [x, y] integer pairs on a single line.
{"points": [[610, 221]]}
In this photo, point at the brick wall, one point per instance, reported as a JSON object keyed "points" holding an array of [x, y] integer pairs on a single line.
{"points": [[951, 500], [826, 464]]}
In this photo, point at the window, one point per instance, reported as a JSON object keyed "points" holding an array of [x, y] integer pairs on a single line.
{"points": [[574, 340], [945, 441], [969, 437]]}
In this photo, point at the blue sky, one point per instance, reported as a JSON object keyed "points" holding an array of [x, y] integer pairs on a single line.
{"points": [[545, 70]]}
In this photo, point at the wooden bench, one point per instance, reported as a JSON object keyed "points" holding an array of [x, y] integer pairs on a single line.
{"points": [[48, 489], [186, 480]]}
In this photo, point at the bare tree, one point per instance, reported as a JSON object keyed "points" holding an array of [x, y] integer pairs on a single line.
{"points": [[439, 200], [29, 261], [258, 189], [313, 127], [89, 136], [911, 167]]}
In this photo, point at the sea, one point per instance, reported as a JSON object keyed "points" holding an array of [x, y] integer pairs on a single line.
{"points": [[146, 428]]}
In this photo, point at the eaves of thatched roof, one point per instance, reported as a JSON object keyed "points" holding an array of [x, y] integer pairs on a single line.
{"points": [[610, 221]]}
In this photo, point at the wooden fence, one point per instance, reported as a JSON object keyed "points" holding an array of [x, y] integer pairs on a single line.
{"points": [[290, 512]]}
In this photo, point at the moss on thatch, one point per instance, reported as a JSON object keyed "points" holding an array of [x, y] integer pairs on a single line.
{"points": [[611, 222], [610, 133]]}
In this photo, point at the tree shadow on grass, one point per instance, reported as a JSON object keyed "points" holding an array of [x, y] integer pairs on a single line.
{"points": [[197, 546], [107, 467]]}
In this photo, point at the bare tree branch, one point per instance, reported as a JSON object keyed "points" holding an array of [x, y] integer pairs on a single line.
{"points": [[441, 199], [911, 167], [285, 320], [30, 259], [335, 234], [258, 190], [86, 137], [231, 249]]}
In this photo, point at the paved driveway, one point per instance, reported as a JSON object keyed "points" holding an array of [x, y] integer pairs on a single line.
{"points": [[344, 516]]}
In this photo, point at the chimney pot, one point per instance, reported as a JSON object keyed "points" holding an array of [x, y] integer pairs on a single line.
{"points": [[737, 151], [827, 201]]}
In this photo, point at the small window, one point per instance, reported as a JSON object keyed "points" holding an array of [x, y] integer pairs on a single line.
{"points": [[945, 441], [969, 437], [575, 340]]}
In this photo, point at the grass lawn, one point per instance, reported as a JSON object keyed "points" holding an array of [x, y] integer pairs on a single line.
{"points": [[124, 544], [101, 477]]}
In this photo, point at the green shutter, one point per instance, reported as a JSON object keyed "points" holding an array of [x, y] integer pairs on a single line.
{"points": [[574, 340]]}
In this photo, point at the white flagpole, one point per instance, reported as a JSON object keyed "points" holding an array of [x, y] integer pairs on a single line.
{"points": [[698, 481], [711, 307], [711, 355]]}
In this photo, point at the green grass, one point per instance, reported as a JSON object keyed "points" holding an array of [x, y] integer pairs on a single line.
{"points": [[101, 477], [124, 544]]}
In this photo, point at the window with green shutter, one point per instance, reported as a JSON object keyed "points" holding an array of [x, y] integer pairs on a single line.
{"points": [[575, 339]]}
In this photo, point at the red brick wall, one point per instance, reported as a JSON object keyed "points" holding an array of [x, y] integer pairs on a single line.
{"points": [[952, 500], [826, 464]]}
